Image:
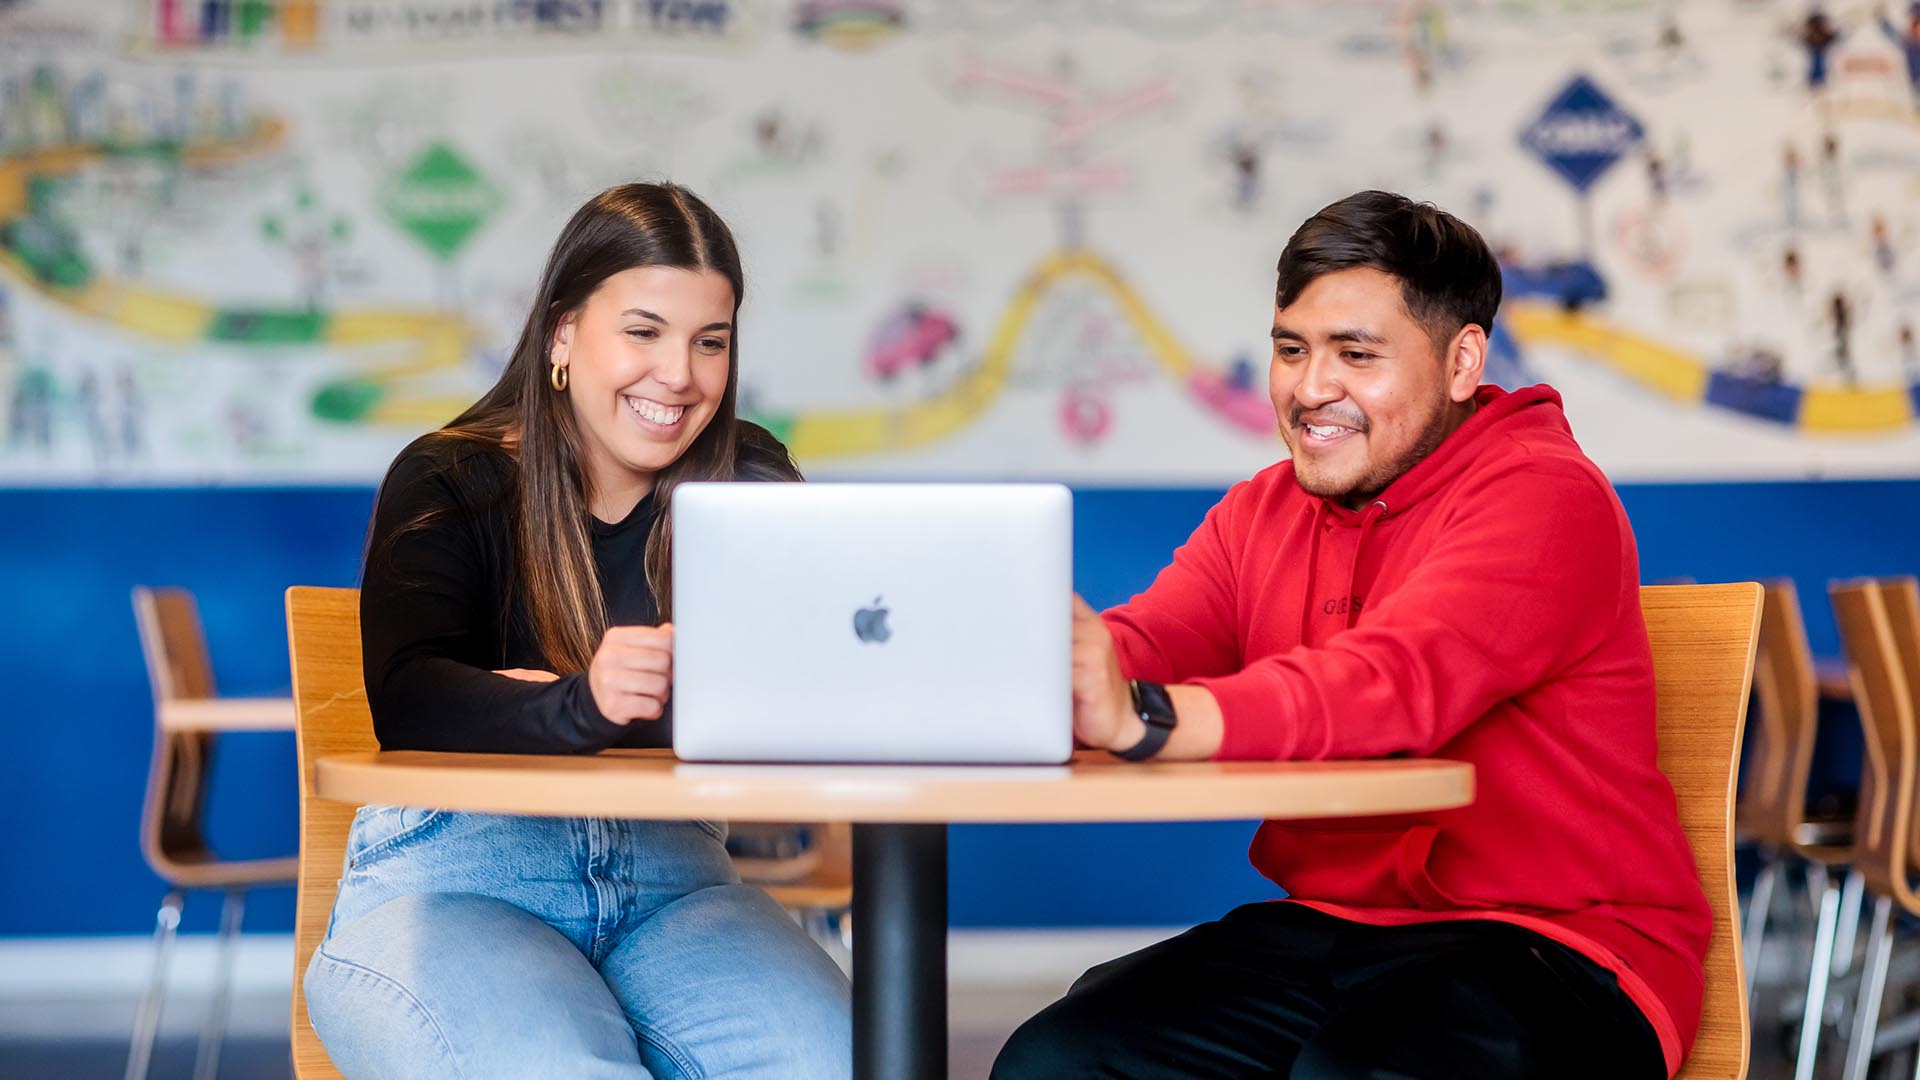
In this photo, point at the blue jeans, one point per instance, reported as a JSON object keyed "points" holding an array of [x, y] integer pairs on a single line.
{"points": [[480, 945]]}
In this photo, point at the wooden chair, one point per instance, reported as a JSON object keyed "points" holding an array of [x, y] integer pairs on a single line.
{"points": [[1773, 809], [815, 884], [187, 719], [1704, 638], [1880, 630], [323, 640], [330, 717]]}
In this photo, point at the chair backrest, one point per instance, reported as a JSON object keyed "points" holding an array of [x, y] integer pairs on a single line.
{"points": [[330, 717], [175, 647], [1786, 697], [171, 837], [1883, 823], [1901, 597], [1704, 638]]}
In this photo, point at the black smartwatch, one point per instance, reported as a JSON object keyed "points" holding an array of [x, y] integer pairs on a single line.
{"points": [[1155, 708]]}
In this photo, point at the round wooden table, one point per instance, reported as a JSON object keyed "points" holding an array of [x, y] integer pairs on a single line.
{"points": [[900, 815]]}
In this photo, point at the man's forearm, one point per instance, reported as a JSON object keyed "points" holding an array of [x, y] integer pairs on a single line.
{"points": [[1197, 734]]}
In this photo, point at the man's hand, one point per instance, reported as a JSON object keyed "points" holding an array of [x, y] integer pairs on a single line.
{"points": [[632, 672], [1103, 715]]}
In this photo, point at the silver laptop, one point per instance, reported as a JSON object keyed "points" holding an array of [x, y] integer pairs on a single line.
{"points": [[872, 622]]}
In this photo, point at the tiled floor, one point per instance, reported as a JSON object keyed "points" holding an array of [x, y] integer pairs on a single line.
{"points": [[980, 1022], [65, 1011], [65, 1016]]}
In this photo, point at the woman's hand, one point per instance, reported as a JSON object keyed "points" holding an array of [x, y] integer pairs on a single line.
{"points": [[632, 672], [527, 674]]}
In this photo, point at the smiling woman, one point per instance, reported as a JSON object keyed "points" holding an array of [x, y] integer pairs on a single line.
{"points": [[642, 384], [512, 602]]}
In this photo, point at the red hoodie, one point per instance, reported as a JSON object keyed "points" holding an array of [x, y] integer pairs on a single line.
{"points": [[1484, 608]]}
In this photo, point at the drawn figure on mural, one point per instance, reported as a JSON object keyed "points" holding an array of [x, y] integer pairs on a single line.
{"points": [[30, 423], [1654, 242], [1658, 184], [1672, 42], [311, 237], [91, 401], [1907, 39], [1436, 146], [1241, 374], [781, 141], [1909, 352], [1831, 179], [826, 229], [1261, 122], [1683, 174], [1244, 154], [1075, 115], [1760, 364], [1840, 318], [129, 214], [1817, 35], [246, 427], [132, 412], [1791, 272], [1882, 239], [11, 375], [1426, 44], [1790, 172]]}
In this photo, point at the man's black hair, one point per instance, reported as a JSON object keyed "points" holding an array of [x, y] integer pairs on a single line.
{"points": [[1448, 276]]}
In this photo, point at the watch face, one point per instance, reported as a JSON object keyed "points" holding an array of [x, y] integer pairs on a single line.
{"points": [[1153, 704]]}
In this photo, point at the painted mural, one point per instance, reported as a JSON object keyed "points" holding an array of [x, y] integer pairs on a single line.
{"points": [[259, 242]]}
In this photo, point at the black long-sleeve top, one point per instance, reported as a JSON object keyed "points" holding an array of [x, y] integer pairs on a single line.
{"points": [[437, 620]]}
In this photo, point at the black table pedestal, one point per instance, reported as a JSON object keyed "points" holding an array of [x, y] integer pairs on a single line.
{"points": [[900, 952]]}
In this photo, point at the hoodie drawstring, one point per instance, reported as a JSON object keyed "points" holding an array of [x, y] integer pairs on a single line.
{"points": [[1375, 511], [1313, 560]]}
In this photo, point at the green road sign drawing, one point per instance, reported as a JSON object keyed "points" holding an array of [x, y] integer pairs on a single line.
{"points": [[440, 200]]}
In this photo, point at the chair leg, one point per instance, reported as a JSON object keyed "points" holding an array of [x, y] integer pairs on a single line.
{"points": [[206, 1060], [1873, 983], [1758, 906], [1852, 897], [1820, 884], [146, 1023]]}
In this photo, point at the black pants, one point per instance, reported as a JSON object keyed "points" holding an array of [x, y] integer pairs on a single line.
{"points": [[1284, 991]]}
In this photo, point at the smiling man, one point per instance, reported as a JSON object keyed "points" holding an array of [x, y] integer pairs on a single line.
{"points": [[1438, 571]]}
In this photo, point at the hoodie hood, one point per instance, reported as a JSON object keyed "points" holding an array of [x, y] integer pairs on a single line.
{"points": [[1531, 412], [1525, 414]]}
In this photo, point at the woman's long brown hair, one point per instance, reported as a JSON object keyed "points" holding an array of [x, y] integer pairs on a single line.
{"points": [[554, 576]]}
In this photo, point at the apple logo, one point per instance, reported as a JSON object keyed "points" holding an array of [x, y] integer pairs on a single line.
{"points": [[870, 624]]}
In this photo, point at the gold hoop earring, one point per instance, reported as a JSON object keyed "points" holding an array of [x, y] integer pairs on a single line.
{"points": [[557, 375]]}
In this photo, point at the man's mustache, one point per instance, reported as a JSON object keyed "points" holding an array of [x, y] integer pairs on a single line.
{"points": [[1321, 417]]}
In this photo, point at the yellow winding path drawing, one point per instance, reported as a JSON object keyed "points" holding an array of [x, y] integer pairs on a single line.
{"points": [[820, 435], [1681, 376], [435, 341]]}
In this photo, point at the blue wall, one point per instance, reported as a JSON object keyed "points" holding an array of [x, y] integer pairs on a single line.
{"points": [[78, 716]]}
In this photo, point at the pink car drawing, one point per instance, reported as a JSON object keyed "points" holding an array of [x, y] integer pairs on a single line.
{"points": [[914, 337]]}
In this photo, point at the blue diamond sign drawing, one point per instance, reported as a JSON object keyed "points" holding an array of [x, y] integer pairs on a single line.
{"points": [[1582, 133]]}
